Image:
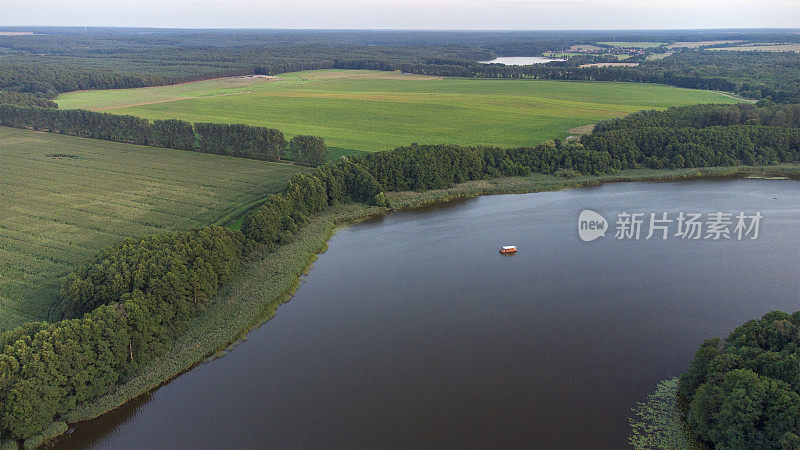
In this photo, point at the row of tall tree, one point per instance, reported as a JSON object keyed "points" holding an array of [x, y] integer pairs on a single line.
{"points": [[709, 115], [238, 140], [25, 99]]}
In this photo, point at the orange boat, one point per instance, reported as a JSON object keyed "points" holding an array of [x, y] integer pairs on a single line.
{"points": [[508, 249]]}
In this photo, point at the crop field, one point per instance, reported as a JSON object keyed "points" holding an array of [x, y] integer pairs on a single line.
{"points": [[762, 48], [634, 44], [698, 44], [373, 111], [64, 198]]}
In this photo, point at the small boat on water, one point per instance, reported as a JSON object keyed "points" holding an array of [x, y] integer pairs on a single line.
{"points": [[508, 249]]}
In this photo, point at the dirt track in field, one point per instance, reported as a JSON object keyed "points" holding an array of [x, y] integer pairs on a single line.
{"points": [[167, 100]]}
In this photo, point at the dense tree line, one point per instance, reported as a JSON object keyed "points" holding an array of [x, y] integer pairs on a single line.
{"points": [[568, 71], [752, 74], [87, 41], [439, 166], [664, 147], [77, 122], [25, 99], [240, 140], [233, 140], [62, 59], [310, 150], [422, 167], [744, 392], [276, 221], [138, 296], [701, 116], [773, 75], [172, 133], [52, 79]]}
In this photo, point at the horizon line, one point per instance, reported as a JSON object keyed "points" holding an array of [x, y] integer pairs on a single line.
{"points": [[134, 27]]}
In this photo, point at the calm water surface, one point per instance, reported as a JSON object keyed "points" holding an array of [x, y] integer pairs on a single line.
{"points": [[412, 331], [520, 60]]}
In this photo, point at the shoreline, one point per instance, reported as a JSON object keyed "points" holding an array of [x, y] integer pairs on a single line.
{"points": [[269, 280]]}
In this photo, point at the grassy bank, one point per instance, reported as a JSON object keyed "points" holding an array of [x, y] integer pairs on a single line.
{"points": [[541, 182], [268, 281]]}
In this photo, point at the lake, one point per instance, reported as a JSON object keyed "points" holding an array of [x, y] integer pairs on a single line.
{"points": [[520, 60], [413, 331]]}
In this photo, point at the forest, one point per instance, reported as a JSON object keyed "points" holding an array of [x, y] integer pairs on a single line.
{"points": [[750, 74], [62, 60], [744, 391]]}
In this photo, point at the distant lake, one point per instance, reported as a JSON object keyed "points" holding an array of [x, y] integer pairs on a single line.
{"points": [[411, 330], [519, 60]]}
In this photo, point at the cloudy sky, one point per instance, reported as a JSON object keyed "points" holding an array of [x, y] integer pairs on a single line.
{"points": [[407, 14]]}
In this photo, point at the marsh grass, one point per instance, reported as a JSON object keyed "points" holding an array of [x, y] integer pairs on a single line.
{"points": [[52, 431], [541, 182], [657, 422]]}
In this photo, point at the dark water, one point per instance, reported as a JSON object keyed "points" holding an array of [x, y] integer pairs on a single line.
{"points": [[412, 331]]}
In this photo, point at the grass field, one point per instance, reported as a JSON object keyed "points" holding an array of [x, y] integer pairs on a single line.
{"points": [[64, 198], [762, 48], [633, 44], [698, 44], [367, 110]]}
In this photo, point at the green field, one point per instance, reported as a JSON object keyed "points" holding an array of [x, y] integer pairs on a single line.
{"points": [[570, 55], [64, 198], [368, 110], [762, 48], [633, 44]]}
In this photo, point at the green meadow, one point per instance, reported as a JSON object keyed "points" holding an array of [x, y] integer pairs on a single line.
{"points": [[64, 198], [373, 111], [634, 44]]}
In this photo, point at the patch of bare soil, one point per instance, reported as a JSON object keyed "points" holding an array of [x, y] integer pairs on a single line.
{"points": [[581, 130], [169, 100], [584, 48]]}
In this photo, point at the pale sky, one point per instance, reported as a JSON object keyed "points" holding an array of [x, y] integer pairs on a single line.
{"points": [[407, 14]]}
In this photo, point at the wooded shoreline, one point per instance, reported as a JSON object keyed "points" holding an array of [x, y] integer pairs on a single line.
{"points": [[267, 282]]}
